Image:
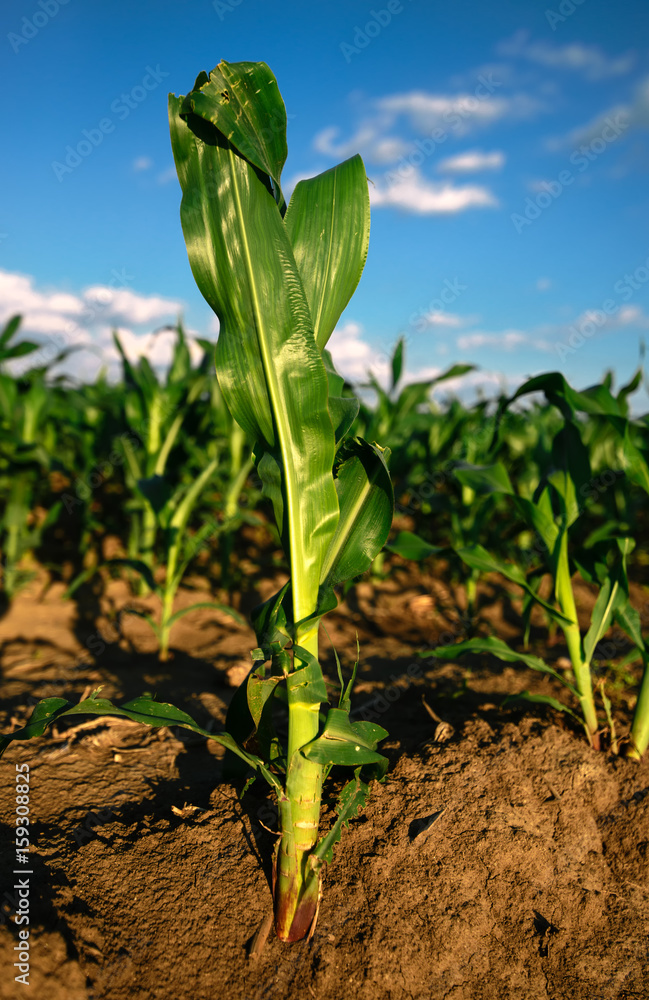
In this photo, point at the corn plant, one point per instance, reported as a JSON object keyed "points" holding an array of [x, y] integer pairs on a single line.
{"points": [[278, 278], [27, 444], [551, 513], [154, 413], [172, 511]]}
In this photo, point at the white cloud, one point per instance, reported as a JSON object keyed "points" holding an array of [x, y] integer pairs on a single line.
{"points": [[586, 59], [368, 140], [472, 161], [413, 193], [142, 163], [543, 284], [461, 112], [124, 305], [508, 340], [421, 113], [353, 356], [445, 320], [85, 319]]}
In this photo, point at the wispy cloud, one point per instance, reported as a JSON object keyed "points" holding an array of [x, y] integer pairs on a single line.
{"points": [[367, 140], [142, 163], [438, 319], [589, 60], [463, 112], [391, 125], [629, 117], [508, 340], [415, 194], [472, 161]]}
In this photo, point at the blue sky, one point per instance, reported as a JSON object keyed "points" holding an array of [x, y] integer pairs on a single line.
{"points": [[506, 144]]}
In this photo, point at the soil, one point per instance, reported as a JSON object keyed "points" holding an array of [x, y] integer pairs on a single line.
{"points": [[501, 857]]}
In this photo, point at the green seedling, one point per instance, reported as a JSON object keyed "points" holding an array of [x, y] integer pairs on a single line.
{"points": [[552, 513], [27, 444]]}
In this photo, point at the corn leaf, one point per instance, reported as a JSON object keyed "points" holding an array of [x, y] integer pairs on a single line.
{"points": [[143, 709], [411, 546], [243, 101], [328, 224], [498, 648], [543, 699], [478, 558], [351, 800], [366, 503]]}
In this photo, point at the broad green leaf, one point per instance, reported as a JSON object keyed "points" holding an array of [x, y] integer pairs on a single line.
{"points": [[259, 692], [139, 567], [543, 699], [209, 605], [350, 801], [343, 410], [478, 558], [345, 742], [328, 224], [143, 709], [244, 103], [572, 471], [184, 509], [484, 479], [307, 684], [397, 362], [10, 328], [558, 392], [629, 619], [181, 364], [498, 648], [411, 546], [270, 370], [157, 490], [453, 372], [366, 504], [538, 513], [269, 620]]}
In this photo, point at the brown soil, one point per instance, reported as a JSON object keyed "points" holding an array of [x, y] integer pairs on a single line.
{"points": [[501, 858]]}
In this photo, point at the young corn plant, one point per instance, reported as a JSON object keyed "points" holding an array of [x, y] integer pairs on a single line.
{"points": [[551, 513], [278, 277], [172, 513], [27, 444]]}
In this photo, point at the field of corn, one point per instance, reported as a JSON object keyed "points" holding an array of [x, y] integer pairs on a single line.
{"points": [[442, 790]]}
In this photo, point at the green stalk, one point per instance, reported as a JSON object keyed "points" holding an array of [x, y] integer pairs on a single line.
{"points": [[149, 521], [640, 728], [16, 523], [581, 668], [296, 883], [170, 588]]}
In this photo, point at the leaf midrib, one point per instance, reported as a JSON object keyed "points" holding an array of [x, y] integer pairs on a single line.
{"points": [[296, 553]]}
